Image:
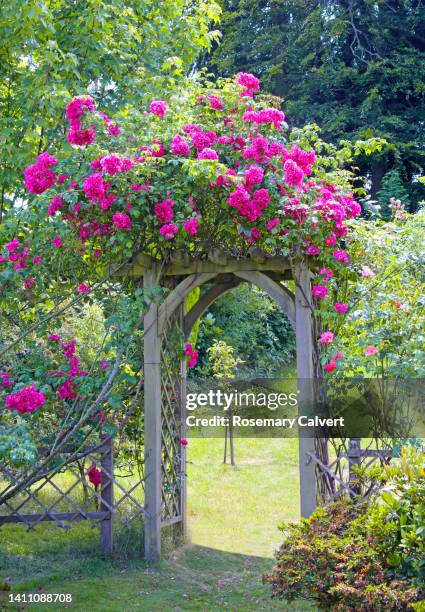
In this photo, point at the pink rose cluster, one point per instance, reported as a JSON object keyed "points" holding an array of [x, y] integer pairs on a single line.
{"points": [[121, 221], [68, 388], [17, 254], [249, 205], [336, 210], [215, 102], [112, 164], [200, 139], [208, 153], [164, 211], [55, 205], [249, 82], [158, 108], [260, 149], [332, 365], [75, 112], [168, 230], [191, 354], [39, 176], [191, 226], [303, 159], [25, 401], [267, 115], [179, 145]]}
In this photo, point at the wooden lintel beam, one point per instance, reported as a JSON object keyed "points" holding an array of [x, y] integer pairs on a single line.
{"points": [[144, 261], [277, 264]]}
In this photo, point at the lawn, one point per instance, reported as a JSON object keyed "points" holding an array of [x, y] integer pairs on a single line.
{"points": [[233, 518]]}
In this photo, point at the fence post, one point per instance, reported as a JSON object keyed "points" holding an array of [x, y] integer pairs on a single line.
{"points": [[107, 496], [354, 461]]}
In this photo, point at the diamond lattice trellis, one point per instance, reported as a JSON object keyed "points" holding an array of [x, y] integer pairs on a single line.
{"points": [[68, 496], [171, 421]]}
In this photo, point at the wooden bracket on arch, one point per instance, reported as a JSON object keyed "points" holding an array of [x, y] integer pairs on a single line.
{"points": [[283, 296], [178, 295], [205, 301]]}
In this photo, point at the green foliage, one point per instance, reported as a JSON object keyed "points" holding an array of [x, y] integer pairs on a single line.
{"points": [[356, 68], [352, 555], [386, 309], [17, 445], [403, 500], [251, 322], [222, 360], [51, 51], [191, 300]]}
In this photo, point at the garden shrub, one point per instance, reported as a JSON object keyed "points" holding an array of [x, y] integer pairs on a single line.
{"points": [[355, 555]]}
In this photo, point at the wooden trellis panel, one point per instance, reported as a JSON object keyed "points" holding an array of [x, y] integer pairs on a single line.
{"points": [[338, 477], [49, 500], [172, 470]]}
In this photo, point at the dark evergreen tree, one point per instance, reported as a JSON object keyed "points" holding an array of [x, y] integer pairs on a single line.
{"points": [[392, 187], [356, 67]]}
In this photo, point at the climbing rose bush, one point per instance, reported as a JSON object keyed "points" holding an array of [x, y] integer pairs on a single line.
{"points": [[213, 168], [195, 172]]}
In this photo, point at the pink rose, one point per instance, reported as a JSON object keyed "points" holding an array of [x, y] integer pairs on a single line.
{"points": [[340, 308], [83, 288], [341, 256], [169, 230], [319, 291], [26, 400], [164, 211], [159, 108], [366, 271], [208, 153], [371, 350], [13, 245], [272, 224], [313, 250], [121, 221], [326, 337], [191, 226]]}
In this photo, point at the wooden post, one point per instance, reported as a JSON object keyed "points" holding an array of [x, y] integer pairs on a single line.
{"points": [[305, 374], [152, 405], [354, 461], [107, 497]]}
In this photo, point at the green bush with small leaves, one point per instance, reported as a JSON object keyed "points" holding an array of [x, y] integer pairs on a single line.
{"points": [[354, 555]]}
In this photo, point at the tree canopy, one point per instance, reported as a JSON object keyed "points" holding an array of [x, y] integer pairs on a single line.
{"points": [[51, 50], [356, 67]]}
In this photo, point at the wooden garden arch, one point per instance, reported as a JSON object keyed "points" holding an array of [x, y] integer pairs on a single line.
{"points": [[164, 390], [164, 374]]}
